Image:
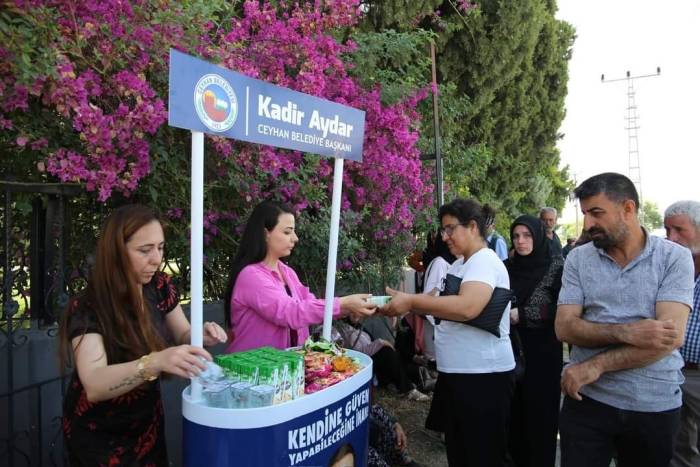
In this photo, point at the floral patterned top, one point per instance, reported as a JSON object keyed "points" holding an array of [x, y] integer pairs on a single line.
{"points": [[128, 429], [540, 309]]}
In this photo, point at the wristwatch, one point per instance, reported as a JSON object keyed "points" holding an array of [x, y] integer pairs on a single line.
{"points": [[142, 368]]}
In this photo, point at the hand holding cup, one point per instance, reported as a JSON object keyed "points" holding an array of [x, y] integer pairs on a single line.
{"points": [[398, 305], [357, 306]]}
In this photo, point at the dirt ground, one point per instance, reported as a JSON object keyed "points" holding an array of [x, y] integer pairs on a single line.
{"points": [[423, 445]]}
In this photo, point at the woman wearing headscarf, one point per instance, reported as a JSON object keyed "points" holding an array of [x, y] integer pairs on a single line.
{"points": [[535, 277]]}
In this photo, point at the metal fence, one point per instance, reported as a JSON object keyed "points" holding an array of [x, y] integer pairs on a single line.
{"points": [[35, 236], [37, 224]]}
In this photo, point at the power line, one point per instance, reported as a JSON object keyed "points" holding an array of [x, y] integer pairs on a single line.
{"points": [[634, 166]]}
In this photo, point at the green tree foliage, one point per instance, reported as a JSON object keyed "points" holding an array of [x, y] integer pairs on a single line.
{"points": [[569, 230], [508, 61], [398, 14], [83, 92], [650, 215], [400, 62]]}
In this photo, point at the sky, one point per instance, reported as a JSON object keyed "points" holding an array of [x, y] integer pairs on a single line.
{"points": [[614, 36]]}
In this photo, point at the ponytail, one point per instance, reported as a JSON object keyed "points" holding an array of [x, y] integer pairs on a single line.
{"points": [[469, 210]]}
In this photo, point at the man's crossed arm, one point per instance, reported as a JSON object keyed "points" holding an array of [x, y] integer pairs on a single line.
{"points": [[635, 344]]}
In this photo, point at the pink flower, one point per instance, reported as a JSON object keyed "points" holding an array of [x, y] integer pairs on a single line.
{"points": [[174, 213], [40, 143], [108, 102]]}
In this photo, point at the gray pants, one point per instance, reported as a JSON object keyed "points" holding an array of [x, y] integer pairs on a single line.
{"points": [[686, 450]]}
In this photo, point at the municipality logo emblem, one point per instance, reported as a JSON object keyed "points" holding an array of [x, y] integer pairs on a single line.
{"points": [[215, 102]]}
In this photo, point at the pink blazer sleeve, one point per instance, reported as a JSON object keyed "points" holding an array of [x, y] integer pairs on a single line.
{"points": [[267, 297]]}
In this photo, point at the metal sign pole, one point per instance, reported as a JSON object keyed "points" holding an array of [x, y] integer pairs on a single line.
{"points": [[197, 249], [333, 247]]}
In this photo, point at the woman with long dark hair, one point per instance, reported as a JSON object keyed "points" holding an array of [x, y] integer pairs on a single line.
{"points": [[266, 303], [535, 277], [117, 334], [475, 381]]}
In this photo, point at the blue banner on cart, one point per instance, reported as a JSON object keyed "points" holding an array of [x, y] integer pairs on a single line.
{"points": [[208, 98], [330, 436]]}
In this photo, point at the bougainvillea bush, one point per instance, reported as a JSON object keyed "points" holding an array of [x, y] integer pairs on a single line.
{"points": [[83, 93]]}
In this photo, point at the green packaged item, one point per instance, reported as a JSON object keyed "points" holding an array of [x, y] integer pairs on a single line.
{"points": [[270, 374], [265, 366], [267, 351], [300, 374], [224, 361], [286, 380], [246, 370], [295, 364]]}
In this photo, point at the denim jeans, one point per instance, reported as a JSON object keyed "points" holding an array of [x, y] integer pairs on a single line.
{"points": [[592, 432]]}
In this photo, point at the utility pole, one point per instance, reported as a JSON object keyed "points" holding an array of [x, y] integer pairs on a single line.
{"points": [[634, 167], [436, 121]]}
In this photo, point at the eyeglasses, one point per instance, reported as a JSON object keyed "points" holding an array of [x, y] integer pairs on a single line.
{"points": [[449, 229]]}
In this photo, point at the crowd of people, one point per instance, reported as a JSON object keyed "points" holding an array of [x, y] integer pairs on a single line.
{"points": [[618, 296], [489, 323]]}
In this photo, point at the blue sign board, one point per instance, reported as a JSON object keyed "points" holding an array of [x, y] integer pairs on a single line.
{"points": [[328, 428], [211, 99], [332, 435]]}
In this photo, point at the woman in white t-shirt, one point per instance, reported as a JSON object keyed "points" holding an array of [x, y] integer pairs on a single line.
{"points": [[475, 368]]}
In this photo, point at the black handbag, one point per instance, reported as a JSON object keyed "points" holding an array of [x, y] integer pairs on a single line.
{"points": [[490, 317]]}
